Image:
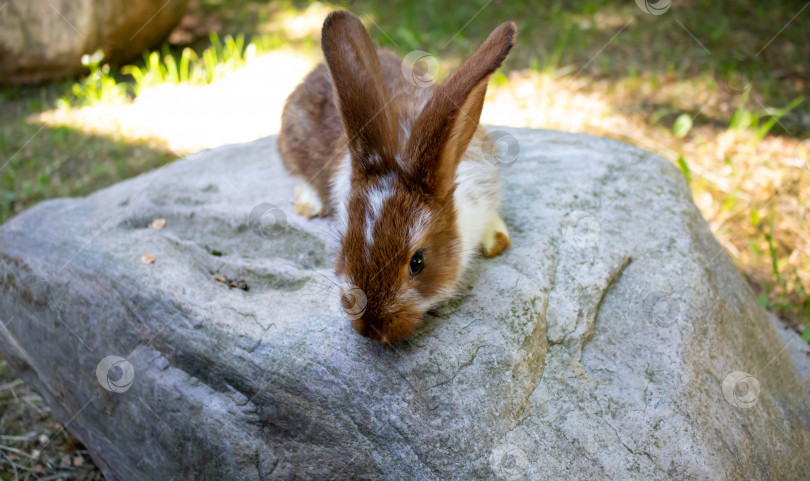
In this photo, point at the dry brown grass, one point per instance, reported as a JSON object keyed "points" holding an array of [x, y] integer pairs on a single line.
{"points": [[33, 446]]}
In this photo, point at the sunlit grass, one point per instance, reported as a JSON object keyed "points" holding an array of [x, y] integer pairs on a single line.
{"points": [[162, 67]]}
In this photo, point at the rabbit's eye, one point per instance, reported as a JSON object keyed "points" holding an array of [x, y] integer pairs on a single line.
{"points": [[417, 262]]}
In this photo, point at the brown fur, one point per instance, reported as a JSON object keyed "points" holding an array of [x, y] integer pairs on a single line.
{"points": [[383, 273], [311, 138], [353, 103], [444, 129], [501, 243]]}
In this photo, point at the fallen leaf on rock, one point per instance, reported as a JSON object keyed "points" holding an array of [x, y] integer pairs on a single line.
{"points": [[158, 223], [231, 283], [148, 259]]}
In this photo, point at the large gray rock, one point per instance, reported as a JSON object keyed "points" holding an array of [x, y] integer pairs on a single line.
{"points": [[615, 339], [43, 40]]}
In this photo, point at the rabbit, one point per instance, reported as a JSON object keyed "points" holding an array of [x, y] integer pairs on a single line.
{"points": [[404, 168]]}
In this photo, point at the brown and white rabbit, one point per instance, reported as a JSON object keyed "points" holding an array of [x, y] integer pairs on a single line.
{"points": [[403, 167]]}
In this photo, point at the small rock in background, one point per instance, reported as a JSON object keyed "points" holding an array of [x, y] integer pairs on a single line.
{"points": [[42, 41]]}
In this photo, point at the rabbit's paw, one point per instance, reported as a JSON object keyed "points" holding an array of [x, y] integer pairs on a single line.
{"points": [[307, 202], [496, 236]]}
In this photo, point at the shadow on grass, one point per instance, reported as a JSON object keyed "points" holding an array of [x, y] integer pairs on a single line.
{"points": [[39, 162]]}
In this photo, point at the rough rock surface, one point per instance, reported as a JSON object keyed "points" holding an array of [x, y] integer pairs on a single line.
{"points": [[606, 343], [42, 40]]}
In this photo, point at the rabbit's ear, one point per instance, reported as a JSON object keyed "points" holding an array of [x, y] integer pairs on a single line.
{"points": [[360, 92], [448, 122]]}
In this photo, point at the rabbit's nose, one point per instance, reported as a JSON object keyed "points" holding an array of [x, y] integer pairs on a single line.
{"points": [[353, 302], [370, 329]]}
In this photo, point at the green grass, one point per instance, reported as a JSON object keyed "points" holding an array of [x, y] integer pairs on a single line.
{"points": [[161, 67], [67, 163]]}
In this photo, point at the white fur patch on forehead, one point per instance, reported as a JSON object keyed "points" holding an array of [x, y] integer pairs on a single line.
{"points": [[418, 230], [377, 196], [379, 193]]}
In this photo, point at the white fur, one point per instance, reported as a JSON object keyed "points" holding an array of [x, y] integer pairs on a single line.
{"points": [[341, 187], [413, 298], [417, 104], [477, 198], [377, 196], [418, 230], [307, 201]]}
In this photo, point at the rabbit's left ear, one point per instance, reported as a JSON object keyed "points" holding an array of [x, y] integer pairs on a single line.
{"points": [[448, 122], [360, 92]]}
